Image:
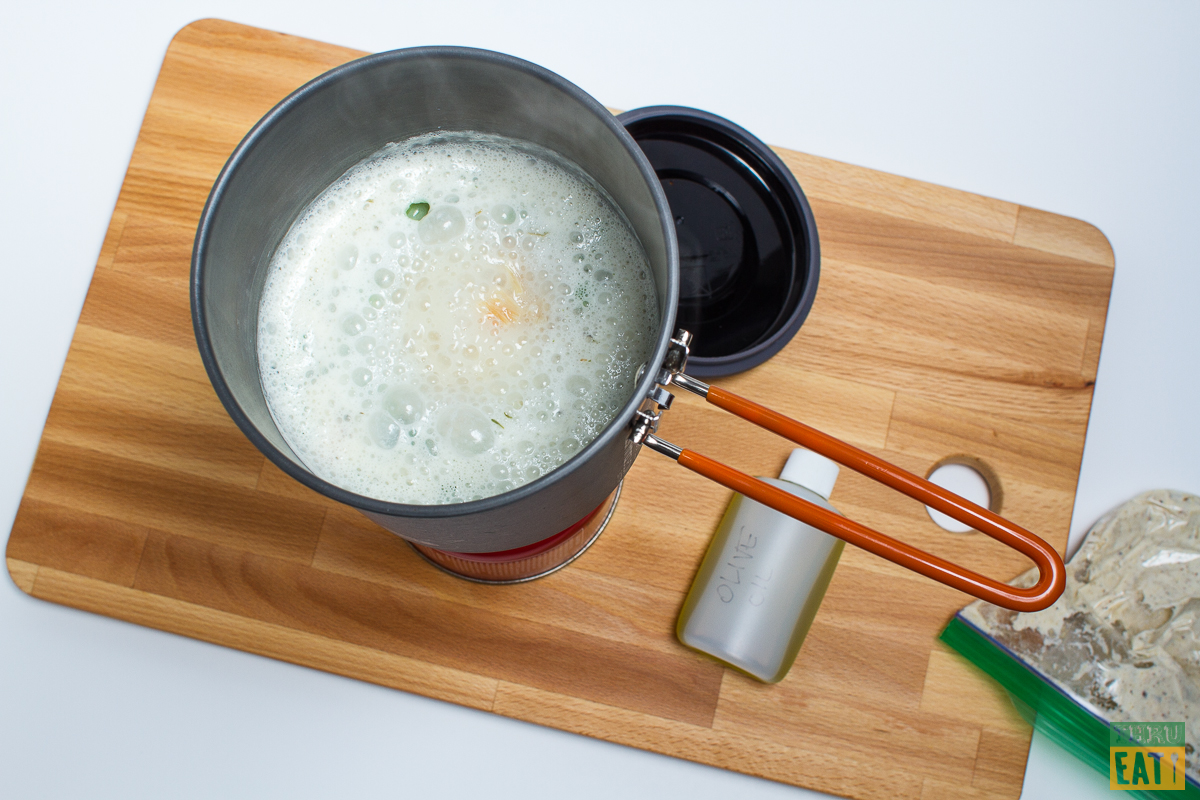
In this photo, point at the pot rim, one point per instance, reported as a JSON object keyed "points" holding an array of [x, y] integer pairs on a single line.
{"points": [[620, 424]]}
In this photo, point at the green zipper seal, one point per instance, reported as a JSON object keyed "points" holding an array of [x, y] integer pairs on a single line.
{"points": [[1048, 708]]}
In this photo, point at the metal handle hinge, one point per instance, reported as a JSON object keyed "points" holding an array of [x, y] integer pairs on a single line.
{"points": [[659, 399]]}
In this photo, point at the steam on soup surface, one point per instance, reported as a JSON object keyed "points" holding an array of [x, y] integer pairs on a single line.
{"points": [[455, 316]]}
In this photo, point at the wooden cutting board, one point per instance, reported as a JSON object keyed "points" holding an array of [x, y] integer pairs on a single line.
{"points": [[946, 323]]}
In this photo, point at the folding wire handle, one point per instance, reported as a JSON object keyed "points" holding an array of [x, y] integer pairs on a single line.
{"points": [[1051, 572]]}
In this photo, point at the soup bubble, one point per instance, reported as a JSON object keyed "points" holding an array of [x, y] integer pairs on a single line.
{"points": [[504, 214], [346, 257], [404, 404], [383, 430], [441, 225], [578, 385], [469, 430]]}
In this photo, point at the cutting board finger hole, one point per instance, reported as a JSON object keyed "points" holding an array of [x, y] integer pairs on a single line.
{"points": [[969, 477]]}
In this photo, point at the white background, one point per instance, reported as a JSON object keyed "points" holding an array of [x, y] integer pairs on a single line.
{"points": [[1087, 109]]}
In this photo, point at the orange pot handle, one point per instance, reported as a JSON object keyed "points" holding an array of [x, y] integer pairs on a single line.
{"points": [[1051, 572]]}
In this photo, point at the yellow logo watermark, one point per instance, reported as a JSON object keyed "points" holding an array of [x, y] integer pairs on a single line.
{"points": [[1145, 755]]}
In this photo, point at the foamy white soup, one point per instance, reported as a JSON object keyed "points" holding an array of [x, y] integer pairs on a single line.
{"points": [[454, 317]]}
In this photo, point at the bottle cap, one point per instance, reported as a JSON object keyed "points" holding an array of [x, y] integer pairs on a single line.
{"points": [[810, 470]]}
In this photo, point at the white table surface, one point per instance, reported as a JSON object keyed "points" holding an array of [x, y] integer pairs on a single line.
{"points": [[1089, 109]]}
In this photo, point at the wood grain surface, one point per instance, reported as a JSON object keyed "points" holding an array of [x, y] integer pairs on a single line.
{"points": [[946, 324]]}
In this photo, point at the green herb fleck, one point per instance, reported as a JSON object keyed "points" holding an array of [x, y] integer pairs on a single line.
{"points": [[417, 210], [497, 423]]}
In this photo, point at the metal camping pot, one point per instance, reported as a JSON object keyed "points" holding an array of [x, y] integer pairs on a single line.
{"points": [[327, 126]]}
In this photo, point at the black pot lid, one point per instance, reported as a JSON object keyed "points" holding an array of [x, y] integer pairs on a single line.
{"points": [[749, 259]]}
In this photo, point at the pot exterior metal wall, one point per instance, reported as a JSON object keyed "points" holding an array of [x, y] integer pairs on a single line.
{"points": [[527, 519], [324, 128]]}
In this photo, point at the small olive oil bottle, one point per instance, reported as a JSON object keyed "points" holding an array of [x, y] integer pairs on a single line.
{"points": [[763, 577]]}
